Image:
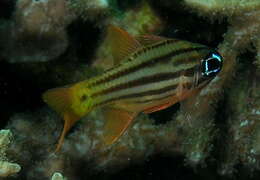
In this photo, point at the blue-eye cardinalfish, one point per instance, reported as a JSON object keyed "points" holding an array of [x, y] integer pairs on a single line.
{"points": [[150, 73]]}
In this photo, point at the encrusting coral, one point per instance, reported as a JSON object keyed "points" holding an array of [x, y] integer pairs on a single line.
{"points": [[6, 168], [244, 30], [223, 7], [194, 129], [89, 9], [37, 31]]}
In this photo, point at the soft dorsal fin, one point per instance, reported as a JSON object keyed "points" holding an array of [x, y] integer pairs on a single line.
{"points": [[150, 39], [121, 43]]}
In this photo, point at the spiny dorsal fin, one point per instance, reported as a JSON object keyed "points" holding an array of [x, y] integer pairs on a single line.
{"points": [[122, 43], [150, 39]]}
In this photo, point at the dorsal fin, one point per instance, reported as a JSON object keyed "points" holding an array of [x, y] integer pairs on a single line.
{"points": [[150, 39], [121, 43]]}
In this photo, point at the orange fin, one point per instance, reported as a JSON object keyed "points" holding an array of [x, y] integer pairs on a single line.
{"points": [[69, 120], [159, 107], [122, 43], [117, 121], [150, 39], [60, 99]]}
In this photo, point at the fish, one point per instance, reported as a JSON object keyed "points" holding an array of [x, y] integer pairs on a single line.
{"points": [[150, 73]]}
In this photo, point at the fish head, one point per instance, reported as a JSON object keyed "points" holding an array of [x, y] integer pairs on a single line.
{"points": [[207, 69]]}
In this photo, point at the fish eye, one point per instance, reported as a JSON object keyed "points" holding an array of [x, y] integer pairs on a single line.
{"points": [[211, 64]]}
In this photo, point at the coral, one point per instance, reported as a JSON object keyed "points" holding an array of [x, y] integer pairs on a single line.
{"points": [[90, 9], [220, 123], [223, 7], [81, 147], [244, 106], [6, 168], [37, 31], [139, 20], [243, 31]]}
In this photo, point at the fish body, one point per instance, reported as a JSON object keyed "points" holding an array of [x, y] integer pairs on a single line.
{"points": [[150, 76], [152, 73]]}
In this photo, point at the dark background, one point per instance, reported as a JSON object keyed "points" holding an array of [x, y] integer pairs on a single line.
{"points": [[21, 92]]}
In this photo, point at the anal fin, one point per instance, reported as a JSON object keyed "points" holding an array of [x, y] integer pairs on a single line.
{"points": [[117, 122]]}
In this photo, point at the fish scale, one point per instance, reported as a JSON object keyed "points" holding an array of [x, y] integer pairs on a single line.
{"points": [[144, 59]]}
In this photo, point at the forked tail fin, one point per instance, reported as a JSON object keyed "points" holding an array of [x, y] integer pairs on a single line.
{"points": [[61, 100]]}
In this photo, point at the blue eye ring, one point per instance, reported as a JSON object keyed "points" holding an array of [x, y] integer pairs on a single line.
{"points": [[211, 65]]}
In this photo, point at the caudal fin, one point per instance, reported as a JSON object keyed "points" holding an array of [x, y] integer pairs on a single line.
{"points": [[61, 99]]}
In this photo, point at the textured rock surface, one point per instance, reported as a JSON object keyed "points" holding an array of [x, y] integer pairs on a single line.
{"points": [[6, 168], [220, 126], [37, 31]]}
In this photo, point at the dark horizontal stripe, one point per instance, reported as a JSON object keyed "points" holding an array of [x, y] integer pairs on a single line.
{"points": [[141, 81], [190, 72], [157, 45], [185, 60], [138, 53], [187, 85], [154, 99], [144, 64], [141, 94], [146, 80]]}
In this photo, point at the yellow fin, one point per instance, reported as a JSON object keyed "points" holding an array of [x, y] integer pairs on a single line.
{"points": [[121, 43], [61, 99], [150, 39], [117, 121]]}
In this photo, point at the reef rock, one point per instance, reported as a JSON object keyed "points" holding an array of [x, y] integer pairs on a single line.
{"points": [[37, 31], [6, 168]]}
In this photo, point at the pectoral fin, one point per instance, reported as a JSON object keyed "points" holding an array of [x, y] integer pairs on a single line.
{"points": [[117, 121]]}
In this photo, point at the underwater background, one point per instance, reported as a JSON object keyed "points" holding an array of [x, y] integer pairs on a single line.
{"points": [[50, 43]]}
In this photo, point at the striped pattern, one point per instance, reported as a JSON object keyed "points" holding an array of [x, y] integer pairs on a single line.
{"points": [[150, 74]]}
